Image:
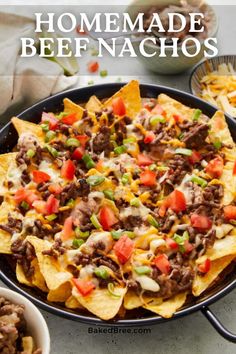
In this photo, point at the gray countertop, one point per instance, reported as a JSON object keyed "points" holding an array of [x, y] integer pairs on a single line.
{"points": [[192, 334]]}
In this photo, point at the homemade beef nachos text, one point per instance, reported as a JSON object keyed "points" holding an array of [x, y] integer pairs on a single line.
{"points": [[122, 204]]}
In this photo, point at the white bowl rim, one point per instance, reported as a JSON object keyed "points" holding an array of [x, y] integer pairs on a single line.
{"points": [[21, 300]]}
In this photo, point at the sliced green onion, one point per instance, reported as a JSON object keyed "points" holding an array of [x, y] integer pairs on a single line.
{"points": [[88, 161], [71, 203], [52, 151], [72, 142], [90, 82], [152, 221], [162, 168], [120, 149], [30, 153], [81, 234], [142, 270], [111, 290], [130, 234], [181, 240], [95, 222], [108, 194], [153, 167], [77, 242], [217, 144], [183, 151], [94, 52], [157, 119], [200, 181], [181, 135], [125, 179], [25, 205], [45, 126], [116, 235], [61, 115], [132, 139], [196, 115], [50, 135], [51, 217], [101, 272], [135, 202], [103, 73], [95, 180]]}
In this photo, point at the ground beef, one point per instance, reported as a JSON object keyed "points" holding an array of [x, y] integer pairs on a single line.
{"points": [[196, 136], [82, 259], [24, 253], [214, 193], [167, 222], [22, 158], [13, 225], [101, 142], [73, 190], [179, 167], [131, 222], [25, 178], [56, 250], [108, 262]]}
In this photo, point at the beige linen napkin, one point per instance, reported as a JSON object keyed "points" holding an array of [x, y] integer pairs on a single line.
{"points": [[24, 81]]}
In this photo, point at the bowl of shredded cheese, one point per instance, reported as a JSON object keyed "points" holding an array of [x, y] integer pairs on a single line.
{"points": [[214, 80]]}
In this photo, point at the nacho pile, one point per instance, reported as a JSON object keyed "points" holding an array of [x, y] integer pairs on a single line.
{"points": [[123, 204]]}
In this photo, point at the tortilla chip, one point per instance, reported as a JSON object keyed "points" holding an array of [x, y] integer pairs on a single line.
{"points": [[100, 302], [71, 107], [37, 278], [72, 303], [94, 104], [229, 183], [132, 300], [5, 237], [61, 294], [172, 107], [22, 126], [167, 308], [5, 161], [50, 268], [21, 277], [220, 130], [223, 247], [201, 283], [130, 93]]}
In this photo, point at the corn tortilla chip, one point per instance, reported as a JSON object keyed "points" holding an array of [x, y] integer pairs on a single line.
{"points": [[100, 302], [220, 130], [172, 107], [22, 126], [132, 300], [72, 303], [94, 104], [167, 308], [71, 107], [21, 277], [5, 237], [229, 183], [130, 93], [5, 161], [201, 283], [223, 247], [50, 268], [61, 294], [37, 278]]}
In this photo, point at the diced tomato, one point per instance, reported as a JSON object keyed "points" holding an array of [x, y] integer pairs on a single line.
{"points": [[51, 119], [148, 178], [93, 66], [148, 106], [118, 106], [123, 249], [205, 266], [78, 153], [52, 205], [157, 109], [230, 212], [234, 169], [99, 166], [67, 231], [172, 244], [195, 157], [107, 218], [162, 263], [80, 31], [40, 176], [144, 160], [70, 119], [68, 170], [215, 167], [177, 118], [175, 201], [188, 247], [201, 222], [40, 206], [82, 139], [26, 195], [55, 188], [85, 287], [149, 137]]}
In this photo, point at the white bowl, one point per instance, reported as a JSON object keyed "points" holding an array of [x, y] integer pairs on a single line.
{"points": [[36, 324]]}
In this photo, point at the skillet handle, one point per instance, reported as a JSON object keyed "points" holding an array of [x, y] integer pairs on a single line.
{"points": [[219, 327]]}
